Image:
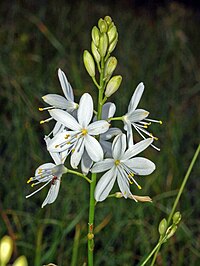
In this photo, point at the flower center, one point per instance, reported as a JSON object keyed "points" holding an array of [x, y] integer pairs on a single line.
{"points": [[117, 162], [84, 131]]}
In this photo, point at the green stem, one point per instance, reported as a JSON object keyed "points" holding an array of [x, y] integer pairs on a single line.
{"points": [[115, 118], [79, 174], [178, 196], [94, 178], [151, 254]]}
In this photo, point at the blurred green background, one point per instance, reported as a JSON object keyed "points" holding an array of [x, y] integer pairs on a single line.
{"points": [[159, 47]]}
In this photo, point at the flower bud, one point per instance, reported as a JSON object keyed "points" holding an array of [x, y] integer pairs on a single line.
{"points": [[95, 35], [113, 44], [21, 261], [176, 217], [118, 195], [171, 231], [113, 85], [89, 63], [103, 44], [102, 25], [108, 20], [95, 52], [162, 226], [110, 66], [112, 32], [6, 249]]}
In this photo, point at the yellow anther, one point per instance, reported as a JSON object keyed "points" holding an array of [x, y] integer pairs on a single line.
{"points": [[30, 179], [139, 187], [42, 122], [145, 126], [73, 150], [84, 131], [40, 109], [39, 171], [160, 122], [117, 162], [68, 142], [67, 136], [131, 182], [155, 138], [32, 185], [56, 146], [151, 135]]}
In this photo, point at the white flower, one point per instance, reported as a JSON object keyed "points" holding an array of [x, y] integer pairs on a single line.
{"points": [[58, 101], [122, 167], [137, 117], [80, 136], [49, 173]]}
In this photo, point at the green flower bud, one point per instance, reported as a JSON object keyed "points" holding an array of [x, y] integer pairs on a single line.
{"points": [[112, 32], [95, 52], [118, 195], [95, 35], [113, 85], [171, 231], [176, 217], [113, 44], [103, 44], [110, 66], [21, 261], [162, 226], [6, 249], [102, 25], [89, 63], [108, 20]]}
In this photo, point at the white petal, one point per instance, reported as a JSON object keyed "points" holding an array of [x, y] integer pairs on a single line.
{"points": [[57, 128], [55, 155], [93, 148], [77, 153], [137, 115], [85, 110], [136, 97], [108, 110], [102, 166], [98, 127], [105, 185], [86, 163], [112, 132], [137, 148], [129, 134], [65, 85], [141, 166], [119, 146], [52, 193], [57, 101], [44, 166], [65, 118], [123, 183]]}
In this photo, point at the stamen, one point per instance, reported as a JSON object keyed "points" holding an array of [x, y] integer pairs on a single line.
{"points": [[45, 108], [38, 189], [47, 120], [154, 121], [117, 162], [84, 131], [30, 179]]}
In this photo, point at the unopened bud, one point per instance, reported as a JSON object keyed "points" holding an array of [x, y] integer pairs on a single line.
{"points": [[118, 195], [113, 44], [95, 35], [112, 32], [89, 63], [162, 226], [108, 20], [21, 261], [6, 249], [171, 231], [176, 217], [110, 66], [95, 52], [141, 198], [103, 44], [102, 25], [113, 85]]}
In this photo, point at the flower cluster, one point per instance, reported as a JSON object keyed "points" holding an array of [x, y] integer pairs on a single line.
{"points": [[86, 135]]}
